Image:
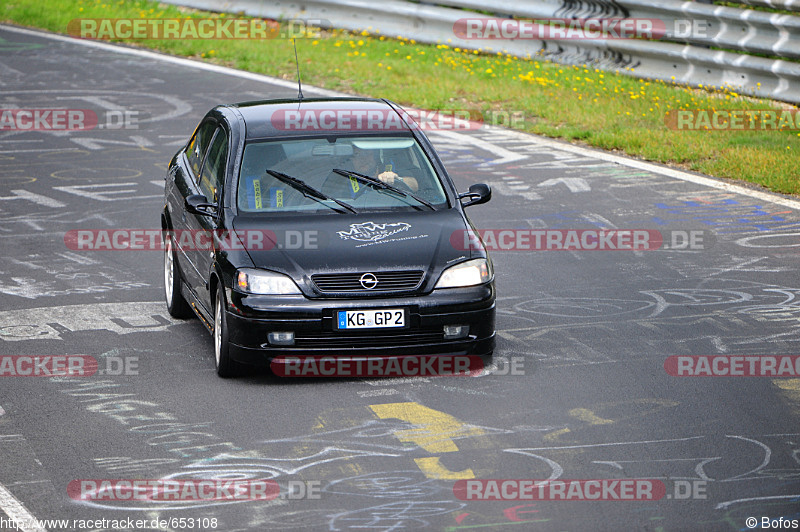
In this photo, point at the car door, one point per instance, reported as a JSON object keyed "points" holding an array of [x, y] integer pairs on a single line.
{"points": [[210, 183], [187, 184]]}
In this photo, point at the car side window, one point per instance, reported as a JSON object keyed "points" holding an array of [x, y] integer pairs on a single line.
{"points": [[213, 175], [196, 150]]}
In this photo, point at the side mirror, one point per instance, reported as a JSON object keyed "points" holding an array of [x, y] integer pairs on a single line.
{"points": [[478, 194], [198, 204]]}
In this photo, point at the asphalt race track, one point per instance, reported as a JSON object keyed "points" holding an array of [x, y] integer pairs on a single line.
{"points": [[578, 389]]}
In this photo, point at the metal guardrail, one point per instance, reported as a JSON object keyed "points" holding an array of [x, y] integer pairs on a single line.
{"points": [[702, 58], [724, 27]]}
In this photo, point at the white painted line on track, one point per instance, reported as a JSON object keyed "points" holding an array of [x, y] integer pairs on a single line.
{"points": [[378, 392], [657, 169], [553, 144], [37, 198], [16, 510], [171, 59], [507, 156]]}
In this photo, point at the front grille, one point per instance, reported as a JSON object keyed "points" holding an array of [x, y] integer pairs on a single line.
{"points": [[401, 281], [372, 339]]}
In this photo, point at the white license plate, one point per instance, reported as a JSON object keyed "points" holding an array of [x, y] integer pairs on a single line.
{"points": [[371, 319]]}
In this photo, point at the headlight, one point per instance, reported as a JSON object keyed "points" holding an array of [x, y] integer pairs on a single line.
{"points": [[263, 282], [470, 273]]}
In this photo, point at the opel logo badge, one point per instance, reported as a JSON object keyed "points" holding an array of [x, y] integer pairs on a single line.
{"points": [[368, 281]]}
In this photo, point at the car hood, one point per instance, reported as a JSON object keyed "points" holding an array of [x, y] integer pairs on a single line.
{"points": [[366, 242]]}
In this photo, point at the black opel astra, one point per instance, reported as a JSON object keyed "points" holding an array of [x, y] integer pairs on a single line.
{"points": [[324, 227]]}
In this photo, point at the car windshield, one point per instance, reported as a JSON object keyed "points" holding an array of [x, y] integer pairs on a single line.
{"points": [[395, 160]]}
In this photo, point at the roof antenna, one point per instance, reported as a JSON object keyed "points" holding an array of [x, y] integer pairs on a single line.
{"points": [[296, 62]]}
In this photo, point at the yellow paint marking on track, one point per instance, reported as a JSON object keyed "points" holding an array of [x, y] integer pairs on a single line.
{"points": [[434, 429], [790, 389], [791, 385], [555, 435], [433, 468], [584, 414], [434, 432], [641, 408]]}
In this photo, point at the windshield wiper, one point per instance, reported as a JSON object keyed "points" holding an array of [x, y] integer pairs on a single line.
{"points": [[380, 185], [309, 191]]}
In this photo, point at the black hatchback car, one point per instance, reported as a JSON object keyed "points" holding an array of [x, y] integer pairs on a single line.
{"points": [[323, 227]]}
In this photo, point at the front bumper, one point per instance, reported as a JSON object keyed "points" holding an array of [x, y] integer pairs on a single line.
{"points": [[251, 318]]}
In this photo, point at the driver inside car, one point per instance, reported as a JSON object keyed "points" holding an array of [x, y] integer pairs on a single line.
{"points": [[366, 162]]}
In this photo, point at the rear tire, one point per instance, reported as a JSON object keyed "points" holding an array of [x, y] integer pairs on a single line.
{"points": [[226, 366], [176, 304]]}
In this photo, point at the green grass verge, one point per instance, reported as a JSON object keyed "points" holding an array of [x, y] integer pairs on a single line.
{"points": [[601, 109]]}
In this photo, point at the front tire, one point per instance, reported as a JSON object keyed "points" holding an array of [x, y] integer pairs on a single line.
{"points": [[176, 304], [226, 366]]}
